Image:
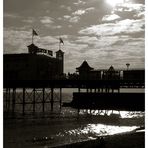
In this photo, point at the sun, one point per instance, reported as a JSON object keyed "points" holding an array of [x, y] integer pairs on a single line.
{"points": [[113, 3]]}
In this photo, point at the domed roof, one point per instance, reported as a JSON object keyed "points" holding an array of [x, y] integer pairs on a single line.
{"points": [[32, 46], [85, 66], [111, 69]]}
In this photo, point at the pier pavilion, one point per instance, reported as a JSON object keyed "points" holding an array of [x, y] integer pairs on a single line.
{"points": [[37, 64]]}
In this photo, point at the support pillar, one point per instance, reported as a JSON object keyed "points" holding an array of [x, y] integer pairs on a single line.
{"points": [[43, 102], [13, 99], [51, 101], [23, 109], [8, 99], [112, 90], [60, 98], [102, 89], [78, 111], [98, 89], [6, 103], [33, 100], [79, 90], [87, 90]]}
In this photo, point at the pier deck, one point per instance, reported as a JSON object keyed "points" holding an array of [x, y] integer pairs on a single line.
{"points": [[74, 83]]}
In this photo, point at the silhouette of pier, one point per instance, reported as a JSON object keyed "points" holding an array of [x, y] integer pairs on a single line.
{"points": [[39, 73], [98, 94]]}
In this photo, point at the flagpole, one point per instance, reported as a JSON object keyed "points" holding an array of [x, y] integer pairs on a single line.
{"points": [[59, 45], [32, 36]]}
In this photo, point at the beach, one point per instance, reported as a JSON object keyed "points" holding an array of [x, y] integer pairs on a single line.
{"points": [[74, 131]]}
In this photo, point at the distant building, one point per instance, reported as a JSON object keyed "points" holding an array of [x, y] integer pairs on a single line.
{"points": [[134, 74], [88, 73], [37, 64], [85, 72], [111, 74]]}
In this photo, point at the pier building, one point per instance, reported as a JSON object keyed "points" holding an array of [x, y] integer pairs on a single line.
{"points": [[88, 73], [111, 74], [37, 64]]}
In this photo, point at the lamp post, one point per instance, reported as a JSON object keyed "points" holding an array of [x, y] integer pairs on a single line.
{"points": [[127, 64]]}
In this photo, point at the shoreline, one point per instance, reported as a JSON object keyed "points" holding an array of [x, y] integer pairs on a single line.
{"points": [[81, 119], [133, 139], [56, 131]]}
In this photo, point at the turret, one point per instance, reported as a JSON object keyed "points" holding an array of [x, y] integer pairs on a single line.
{"points": [[32, 48], [60, 57]]}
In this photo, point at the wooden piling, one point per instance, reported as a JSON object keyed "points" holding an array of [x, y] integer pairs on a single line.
{"points": [[79, 90], [23, 104], [43, 102], [8, 99], [51, 101], [13, 99], [60, 98], [33, 100]]}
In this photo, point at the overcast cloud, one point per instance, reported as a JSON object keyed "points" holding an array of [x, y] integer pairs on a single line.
{"points": [[92, 30]]}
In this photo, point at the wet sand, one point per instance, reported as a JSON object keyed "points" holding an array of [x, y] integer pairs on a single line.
{"points": [[124, 140]]}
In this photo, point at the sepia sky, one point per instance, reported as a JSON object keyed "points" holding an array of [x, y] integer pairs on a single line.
{"points": [[103, 32]]}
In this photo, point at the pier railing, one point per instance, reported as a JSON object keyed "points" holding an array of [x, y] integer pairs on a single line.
{"points": [[74, 83]]}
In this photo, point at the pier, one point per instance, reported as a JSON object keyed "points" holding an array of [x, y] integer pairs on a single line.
{"points": [[99, 94], [35, 80]]}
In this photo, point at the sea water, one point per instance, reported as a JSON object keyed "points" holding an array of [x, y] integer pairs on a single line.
{"points": [[44, 130]]}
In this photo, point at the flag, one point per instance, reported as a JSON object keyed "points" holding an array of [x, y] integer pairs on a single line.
{"points": [[61, 41], [34, 32]]}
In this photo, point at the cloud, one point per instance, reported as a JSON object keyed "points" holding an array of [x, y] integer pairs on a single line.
{"points": [[122, 27], [130, 11], [83, 11], [49, 22], [79, 2], [71, 19], [11, 15], [16, 38], [130, 41], [46, 20], [90, 9], [91, 30], [74, 19], [76, 15], [110, 18], [21, 39], [29, 20], [68, 8], [87, 40], [66, 16], [79, 12]]}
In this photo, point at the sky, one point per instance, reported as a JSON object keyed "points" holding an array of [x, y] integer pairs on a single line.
{"points": [[103, 32]]}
